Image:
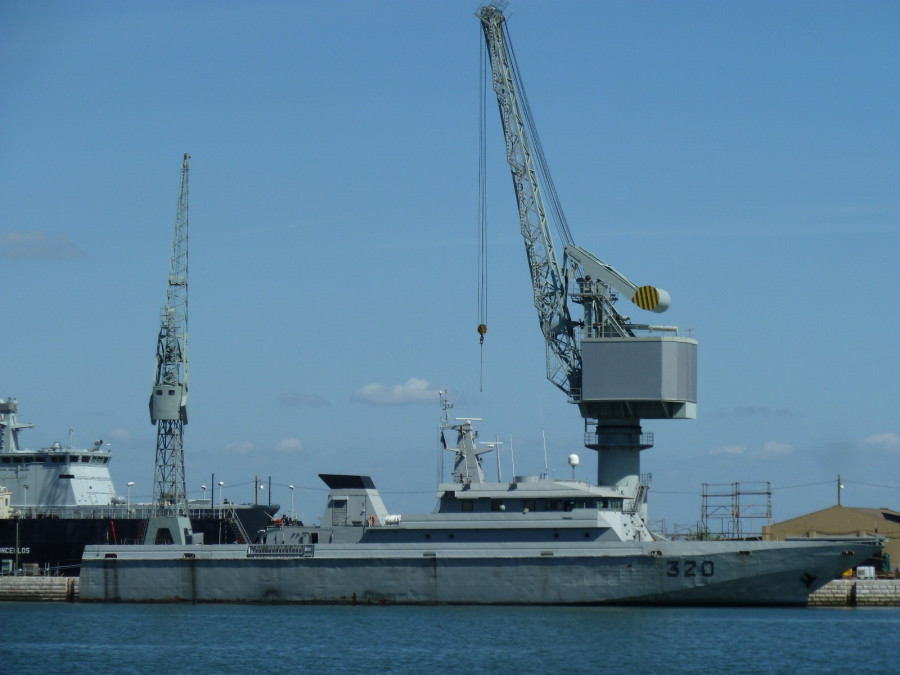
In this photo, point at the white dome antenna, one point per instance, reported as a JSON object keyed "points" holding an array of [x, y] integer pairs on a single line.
{"points": [[573, 462]]}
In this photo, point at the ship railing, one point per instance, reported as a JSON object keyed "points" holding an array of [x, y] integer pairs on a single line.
{"points": [[88, 511], [79, 512], [281, 551]]}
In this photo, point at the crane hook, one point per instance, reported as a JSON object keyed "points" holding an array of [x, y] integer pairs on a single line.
{"points": [[482, 329]]}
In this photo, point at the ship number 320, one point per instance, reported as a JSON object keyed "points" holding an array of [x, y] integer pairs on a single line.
{"points": [[690, 568]]}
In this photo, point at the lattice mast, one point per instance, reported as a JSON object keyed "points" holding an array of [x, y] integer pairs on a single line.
{"points": [[585, 357], [168, 401]]}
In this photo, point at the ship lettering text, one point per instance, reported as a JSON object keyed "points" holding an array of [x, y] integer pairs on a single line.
{"points": [[690, 568], [11, 550]]}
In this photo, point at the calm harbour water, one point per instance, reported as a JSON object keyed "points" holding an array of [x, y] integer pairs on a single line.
{"points": [[73, 638]]}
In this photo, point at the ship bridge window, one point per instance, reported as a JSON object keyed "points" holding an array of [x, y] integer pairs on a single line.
{"points": [[497, 505], [570, 504], [552, 505], [467, 505], [529, 504]]}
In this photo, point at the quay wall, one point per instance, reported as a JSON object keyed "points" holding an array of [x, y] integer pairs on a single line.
{"points": [[857, 593], [36, 589], [837, 593]]}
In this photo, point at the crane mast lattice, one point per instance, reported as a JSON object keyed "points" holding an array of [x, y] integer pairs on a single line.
{"points": [[616, 371], [168, 401], [549, 287]]}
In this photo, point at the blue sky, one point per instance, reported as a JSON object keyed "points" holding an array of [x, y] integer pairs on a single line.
{"points": [[744, 156]]}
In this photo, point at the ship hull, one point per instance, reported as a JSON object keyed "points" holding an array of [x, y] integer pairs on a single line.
{"points": [[654, 573], [58, 543]]}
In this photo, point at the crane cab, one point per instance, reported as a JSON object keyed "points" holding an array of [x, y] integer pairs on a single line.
{"points": [[167, 403], [640, 377]]}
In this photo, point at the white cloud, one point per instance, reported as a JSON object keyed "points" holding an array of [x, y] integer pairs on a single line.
{"points": [[776, 449], [727, 450], [241, 448], [37, 244], [412, 391], [890, 441], [289, 446]]}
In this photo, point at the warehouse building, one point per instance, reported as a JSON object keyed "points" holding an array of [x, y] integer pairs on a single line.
{"points": [[842, 521]]}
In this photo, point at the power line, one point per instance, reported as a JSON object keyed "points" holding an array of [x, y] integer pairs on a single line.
{"points": [[878, 485], [791, 487]]}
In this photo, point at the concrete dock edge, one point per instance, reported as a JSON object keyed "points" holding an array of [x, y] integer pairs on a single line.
{"points": [[857, 593], [837, 593], [38, 589]]}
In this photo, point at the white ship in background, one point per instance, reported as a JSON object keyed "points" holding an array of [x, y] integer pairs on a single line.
{"points": [[62, 498], [56, 477]]}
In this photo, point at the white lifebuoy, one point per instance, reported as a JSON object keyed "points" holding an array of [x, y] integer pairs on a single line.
{"points": [[371, 520]]}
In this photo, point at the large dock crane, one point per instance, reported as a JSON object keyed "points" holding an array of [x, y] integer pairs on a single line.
{"points": [[168, 400], [616, 371]]}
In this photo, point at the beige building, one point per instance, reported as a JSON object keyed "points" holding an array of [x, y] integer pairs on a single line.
{"points": [[845, 520]]}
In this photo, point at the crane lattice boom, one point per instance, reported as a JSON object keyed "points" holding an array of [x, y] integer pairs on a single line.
{"points": [[168, 400], [548, 283]]}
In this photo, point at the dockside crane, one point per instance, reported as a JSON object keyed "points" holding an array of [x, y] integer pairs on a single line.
{"points": [[616, 371], [168, 400]]}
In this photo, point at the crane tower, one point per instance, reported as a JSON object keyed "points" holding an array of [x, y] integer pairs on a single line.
{"points": [[616, 371], [168, 400]]}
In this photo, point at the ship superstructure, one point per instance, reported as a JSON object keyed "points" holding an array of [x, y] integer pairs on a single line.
{"points": [[55, 476]]}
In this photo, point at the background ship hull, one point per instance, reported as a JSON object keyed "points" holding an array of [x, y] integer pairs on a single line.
{"points": [[59, 542]]}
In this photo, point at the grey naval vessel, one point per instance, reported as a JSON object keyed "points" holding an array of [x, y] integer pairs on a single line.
{"points": [[533, 540]]}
